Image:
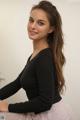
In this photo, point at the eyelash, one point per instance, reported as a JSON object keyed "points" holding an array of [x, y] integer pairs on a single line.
{"points": [[30, 20], [40, 23]]}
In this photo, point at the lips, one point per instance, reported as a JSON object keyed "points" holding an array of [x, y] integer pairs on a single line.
{"points": [[32, 32]]}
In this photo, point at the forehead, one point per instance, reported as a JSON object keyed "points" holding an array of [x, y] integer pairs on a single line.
{"points": [[39, 14]]}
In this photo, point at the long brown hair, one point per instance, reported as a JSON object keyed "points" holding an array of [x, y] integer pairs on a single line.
{"points": [[55, 39]]}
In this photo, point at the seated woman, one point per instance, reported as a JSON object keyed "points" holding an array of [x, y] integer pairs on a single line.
{"points": [[42, 77]]}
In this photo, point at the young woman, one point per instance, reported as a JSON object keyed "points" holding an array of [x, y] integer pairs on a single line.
{"points": [[42, 78]]}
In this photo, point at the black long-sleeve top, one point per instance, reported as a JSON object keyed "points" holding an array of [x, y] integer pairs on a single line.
{"points": [[38, 79]]}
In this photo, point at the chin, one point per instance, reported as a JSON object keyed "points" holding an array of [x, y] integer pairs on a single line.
{"points": [[33, 38]]}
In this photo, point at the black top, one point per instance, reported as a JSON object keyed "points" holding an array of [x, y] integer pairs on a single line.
{"points": [[38, 79]]}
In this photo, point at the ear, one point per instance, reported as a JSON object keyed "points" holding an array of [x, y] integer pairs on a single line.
{"points": [[51, 30]]}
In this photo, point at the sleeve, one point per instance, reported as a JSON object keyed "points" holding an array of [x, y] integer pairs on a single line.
{"points": [[11, 88], [45, 79]]}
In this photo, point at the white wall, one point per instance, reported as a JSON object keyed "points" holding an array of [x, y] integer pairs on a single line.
{"points": [[15, 46]]}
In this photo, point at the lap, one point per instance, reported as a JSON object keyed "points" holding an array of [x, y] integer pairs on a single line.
{"points": [[58, 111]]}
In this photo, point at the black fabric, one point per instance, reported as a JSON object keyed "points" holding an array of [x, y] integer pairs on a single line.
{"points": [[38, 79]]}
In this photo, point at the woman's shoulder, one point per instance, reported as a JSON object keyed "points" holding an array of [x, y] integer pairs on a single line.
{"points": [[43, 54]]}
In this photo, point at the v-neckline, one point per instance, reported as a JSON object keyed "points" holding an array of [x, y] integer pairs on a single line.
{"points": [[30, 60]]}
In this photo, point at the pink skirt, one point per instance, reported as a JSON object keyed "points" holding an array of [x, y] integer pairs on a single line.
{"points": [[58, 111]]}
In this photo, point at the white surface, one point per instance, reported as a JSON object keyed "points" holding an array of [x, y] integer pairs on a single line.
{"points": [[15, 47]]}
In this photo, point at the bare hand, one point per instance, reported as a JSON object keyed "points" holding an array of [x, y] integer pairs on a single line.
{"points": [[3, 106]]}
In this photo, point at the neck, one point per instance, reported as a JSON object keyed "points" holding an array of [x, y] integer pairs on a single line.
{"points": [[39, 45]]}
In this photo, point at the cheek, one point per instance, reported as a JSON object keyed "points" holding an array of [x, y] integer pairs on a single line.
{"points": [[44, 30]]}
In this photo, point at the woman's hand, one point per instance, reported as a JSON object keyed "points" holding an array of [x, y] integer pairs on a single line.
{"points": [[3, 106]]}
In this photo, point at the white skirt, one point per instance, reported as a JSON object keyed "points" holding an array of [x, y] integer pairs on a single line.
{"points": [[58, 111]]}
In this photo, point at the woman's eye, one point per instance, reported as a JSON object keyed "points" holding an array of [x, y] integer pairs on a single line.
{"points": [[40, 23], [31, 20]]}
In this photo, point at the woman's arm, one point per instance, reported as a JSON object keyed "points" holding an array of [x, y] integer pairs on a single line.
{"points": [[46, 85], [11, 88]]}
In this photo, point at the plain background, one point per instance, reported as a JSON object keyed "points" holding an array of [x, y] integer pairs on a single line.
{"points": [[15, 46]]}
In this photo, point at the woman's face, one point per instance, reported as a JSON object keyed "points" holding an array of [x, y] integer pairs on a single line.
{"points": [[38, 25]]}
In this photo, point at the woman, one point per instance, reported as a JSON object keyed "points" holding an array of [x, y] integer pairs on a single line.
{"points": [[42, 78]]}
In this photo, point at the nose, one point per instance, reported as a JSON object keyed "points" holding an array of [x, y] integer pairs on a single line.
{"points": [[33, 25]]}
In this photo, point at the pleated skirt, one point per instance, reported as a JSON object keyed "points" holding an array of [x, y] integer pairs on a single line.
{"points": [[58, 111]]}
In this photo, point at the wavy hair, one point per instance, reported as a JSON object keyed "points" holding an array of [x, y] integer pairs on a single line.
{"points": [[55, 39]]}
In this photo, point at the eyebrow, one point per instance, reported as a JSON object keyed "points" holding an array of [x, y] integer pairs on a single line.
{"points": [[38, 19]]}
